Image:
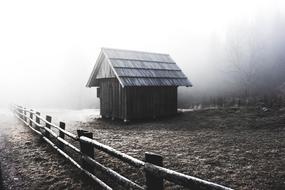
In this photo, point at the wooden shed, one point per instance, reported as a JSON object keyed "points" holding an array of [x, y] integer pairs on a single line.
{"points": [[136, 85]]}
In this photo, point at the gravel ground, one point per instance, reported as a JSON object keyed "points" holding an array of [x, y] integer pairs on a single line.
{"points": [[239, 148]]}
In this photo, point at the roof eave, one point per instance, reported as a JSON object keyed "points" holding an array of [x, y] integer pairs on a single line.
{"points": [[88, 84]]}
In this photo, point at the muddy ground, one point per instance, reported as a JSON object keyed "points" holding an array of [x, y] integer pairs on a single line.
{"points": [[240, 148]]}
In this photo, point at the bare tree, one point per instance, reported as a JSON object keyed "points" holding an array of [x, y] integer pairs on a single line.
{"points": [[244, 56]]}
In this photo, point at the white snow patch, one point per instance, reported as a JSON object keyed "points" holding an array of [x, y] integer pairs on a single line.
{"points": [[185, 110]]}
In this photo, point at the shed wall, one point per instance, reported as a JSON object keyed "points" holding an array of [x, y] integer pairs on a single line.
{"points": [[112, 98], [136, 102], [151, 102]]}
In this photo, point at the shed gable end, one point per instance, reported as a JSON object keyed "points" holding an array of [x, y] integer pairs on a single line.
{"points": [[105, 70]]}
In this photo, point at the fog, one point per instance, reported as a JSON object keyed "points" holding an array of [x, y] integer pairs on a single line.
{"points": [[48, 48]]}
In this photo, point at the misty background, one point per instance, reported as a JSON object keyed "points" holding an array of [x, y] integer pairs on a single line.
{"points": [[225, 47]]}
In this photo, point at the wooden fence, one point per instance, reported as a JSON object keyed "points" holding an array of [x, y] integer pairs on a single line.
{"points": [[155, 173]]}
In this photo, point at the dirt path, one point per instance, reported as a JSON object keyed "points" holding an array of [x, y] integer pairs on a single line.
{"points": [[28, 163]]}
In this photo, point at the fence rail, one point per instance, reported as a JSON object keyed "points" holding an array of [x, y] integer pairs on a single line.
{"points": [[155, 173]]}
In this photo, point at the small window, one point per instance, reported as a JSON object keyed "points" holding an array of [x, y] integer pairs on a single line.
{"points": [[98, 92]]}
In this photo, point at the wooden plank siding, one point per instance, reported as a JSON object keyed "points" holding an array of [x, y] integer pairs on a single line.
{"points": [[111, 98], [151, 102], [136, 102]]}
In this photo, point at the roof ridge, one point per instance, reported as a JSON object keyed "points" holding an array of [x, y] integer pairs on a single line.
{"points": [[160, 69], [137, 51], [143, 60]]}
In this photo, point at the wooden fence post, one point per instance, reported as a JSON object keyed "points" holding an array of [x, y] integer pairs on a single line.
{"points": [[153, 182], [25, 115], [86, 149], [38, 120], [31, 118], [48, 118], [20, 109], [61, 135]]}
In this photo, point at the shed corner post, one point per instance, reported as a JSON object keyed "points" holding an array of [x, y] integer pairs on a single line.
{"points": [[125, 104], [86, 149], [153, 182]]}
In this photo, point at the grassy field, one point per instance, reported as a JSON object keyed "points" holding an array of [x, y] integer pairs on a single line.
{"points": [[240, 148]]}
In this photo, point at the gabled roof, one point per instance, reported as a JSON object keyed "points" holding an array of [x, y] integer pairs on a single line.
{"points": [[135, 68]]}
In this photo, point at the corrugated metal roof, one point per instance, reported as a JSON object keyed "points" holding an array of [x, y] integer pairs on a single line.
{"points": [[134, 68]]}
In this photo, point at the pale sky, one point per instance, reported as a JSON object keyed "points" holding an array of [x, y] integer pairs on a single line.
{"points": [[48, 48]]}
